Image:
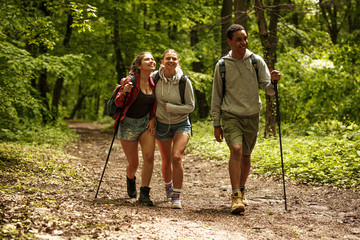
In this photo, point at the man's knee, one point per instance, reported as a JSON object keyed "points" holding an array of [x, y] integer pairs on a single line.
{"points": [[236, 149]]}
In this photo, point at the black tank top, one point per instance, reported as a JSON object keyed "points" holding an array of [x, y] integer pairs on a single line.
{"points": [[141, 106]]}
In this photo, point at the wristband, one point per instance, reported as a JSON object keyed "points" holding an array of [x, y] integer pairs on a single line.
{"points": [[217, 126]]}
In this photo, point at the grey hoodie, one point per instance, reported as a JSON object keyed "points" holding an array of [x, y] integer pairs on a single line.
{"points": [[242, 95], [167, 91]]}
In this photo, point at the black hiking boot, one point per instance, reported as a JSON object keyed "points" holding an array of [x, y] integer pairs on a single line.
{"points": [[131, 187], [144, 196]]}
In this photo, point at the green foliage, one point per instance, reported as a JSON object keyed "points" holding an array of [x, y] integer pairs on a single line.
{"points": [[320, 86], [53, 135], [17, 101], [204, 144], [329, 154]]}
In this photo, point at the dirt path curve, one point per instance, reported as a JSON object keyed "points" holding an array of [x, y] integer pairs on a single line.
{"points": [[313, 212]]}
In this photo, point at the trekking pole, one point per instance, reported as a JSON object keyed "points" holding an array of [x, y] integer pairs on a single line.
{"points": [[112, 142], [281, 152]]}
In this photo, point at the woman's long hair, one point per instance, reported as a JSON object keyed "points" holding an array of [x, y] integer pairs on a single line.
{"points": [[137, 61]]}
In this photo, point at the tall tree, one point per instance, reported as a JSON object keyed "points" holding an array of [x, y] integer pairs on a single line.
{"points": [[60, 80], [354, 16], [197, 66], [240, 8], [334, 14], [269, 40], [226, 20]]}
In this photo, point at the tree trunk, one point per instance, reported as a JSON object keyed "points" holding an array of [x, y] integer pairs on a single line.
{"points": [[60, 81], [354, 16], [269, 43], [172, 31], [241, 16], [77, 106], [42, 85], [56, 96], [331, 12], [226, 19], [119, 66], [295, 21], [202, 105]]}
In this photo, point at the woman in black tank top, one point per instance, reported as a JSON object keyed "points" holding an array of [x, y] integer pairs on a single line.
{"points": [[137, 124]]}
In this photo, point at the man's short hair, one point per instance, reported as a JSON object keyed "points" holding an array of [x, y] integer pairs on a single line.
{"points": [[233, 28]]}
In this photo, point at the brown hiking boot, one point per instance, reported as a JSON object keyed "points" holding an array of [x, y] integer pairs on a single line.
{"points": [[243, 198], [237, 205]]}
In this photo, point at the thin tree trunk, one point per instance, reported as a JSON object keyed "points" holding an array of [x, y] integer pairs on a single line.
{"points": [[60, 80], [241, 17], [120, 68], [226, 19], [77, 106], [269, 43], [202, 105]]}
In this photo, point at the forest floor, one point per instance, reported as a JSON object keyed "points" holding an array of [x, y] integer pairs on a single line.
{"points": [[314, 212]]}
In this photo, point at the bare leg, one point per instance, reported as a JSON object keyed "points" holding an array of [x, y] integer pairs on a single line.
{"points": [[130, 149], [147, 143], [165, 151], [245, 169], [235, 165], [180, 142]]}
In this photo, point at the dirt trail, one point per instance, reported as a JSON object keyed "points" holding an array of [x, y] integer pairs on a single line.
{"points": [[313, 212]]}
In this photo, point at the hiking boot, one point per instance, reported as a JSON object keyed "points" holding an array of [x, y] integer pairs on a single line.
{"points": [[144, 196], [243, 198], [237, 205], [131, 187], [176, 202], [169, 192]]}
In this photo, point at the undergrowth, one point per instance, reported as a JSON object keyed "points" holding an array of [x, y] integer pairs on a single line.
{"points": [[32, 165], [325, 153]]}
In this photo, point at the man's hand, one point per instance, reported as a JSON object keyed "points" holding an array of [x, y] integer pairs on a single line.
{"points": [[218, 133], [275, 75]]}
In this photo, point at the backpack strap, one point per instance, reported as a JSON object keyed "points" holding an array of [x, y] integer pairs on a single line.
{"points": [[222, 70], [156, 77], [254, 62], [133, 80], [182, 85]]}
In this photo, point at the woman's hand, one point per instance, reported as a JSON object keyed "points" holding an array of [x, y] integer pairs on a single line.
{"points": [[128, 87], [151, 127]]}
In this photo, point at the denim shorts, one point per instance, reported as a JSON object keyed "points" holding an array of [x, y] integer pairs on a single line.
{"points": [[241, 130], [130, 129], [166, 132]]}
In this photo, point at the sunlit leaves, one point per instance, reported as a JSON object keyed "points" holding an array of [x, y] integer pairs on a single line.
{"points": [[83, 13]]}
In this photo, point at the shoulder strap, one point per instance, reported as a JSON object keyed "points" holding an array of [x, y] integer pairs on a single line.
{"points": [[182, 85], [222, 70], [133, 80], [156, 77], [254, 63]]}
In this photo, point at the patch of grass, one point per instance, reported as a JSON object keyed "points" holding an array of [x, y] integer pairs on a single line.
{"points": [[326, 153], [56, 135]]}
